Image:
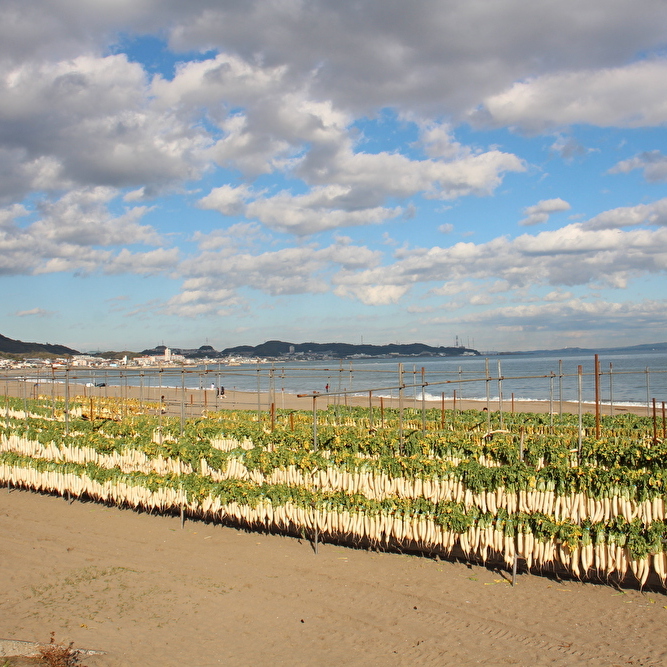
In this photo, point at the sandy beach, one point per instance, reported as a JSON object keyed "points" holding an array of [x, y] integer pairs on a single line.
{"points": [[195, 402], [149, 593]]}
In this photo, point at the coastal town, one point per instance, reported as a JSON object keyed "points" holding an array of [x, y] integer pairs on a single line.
{"points": [[89, 361], [35, 355]]}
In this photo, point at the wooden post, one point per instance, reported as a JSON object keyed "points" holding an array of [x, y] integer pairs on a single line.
{"points": [[67, 401], [500, 395], [551, 402], [314, 422], [442, 411], [655, 424], [316, 527], [382, 411], [488, 396], [182, 400], [273, 416], [423, 400], [597, 397], [516, 539], [370, 410], [182, 509], [580, 372], [259, 396], [401, 388]]}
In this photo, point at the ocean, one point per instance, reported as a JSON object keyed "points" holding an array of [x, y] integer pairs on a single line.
{"points": [[624, 379]]}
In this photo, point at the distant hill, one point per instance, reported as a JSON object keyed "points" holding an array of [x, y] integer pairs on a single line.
{"points": [[11, 346], [629, 349], [277, 348]]}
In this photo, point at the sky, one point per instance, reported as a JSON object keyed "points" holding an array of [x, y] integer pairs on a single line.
{"points": [[227, 172]]}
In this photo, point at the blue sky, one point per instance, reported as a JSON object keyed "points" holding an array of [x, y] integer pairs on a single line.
{"points": [[227, 173]]}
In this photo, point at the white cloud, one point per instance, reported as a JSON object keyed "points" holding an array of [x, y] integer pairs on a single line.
{"points": [[630, 216], [439, 142], [375, 55], [568, 147], [653, 163], [192, 302], [90, 121], [373, 295], [573, 255], [227, 199], [392, 174], [571, 316], [280, 272], [232, 238], [213, 278], [34, 312], [151, 262], [74, 234], [557, 296], [541, 211], [483, 299], [451, 288], [319, 210], [353, 186], [633, 95], [82, 217]]}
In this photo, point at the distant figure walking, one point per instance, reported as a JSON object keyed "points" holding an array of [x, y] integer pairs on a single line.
{"points": [[221, 392], [327, 388]]}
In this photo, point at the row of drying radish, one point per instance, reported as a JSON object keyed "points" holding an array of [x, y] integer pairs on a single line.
{"points": [[479, 542], [370, 483]]}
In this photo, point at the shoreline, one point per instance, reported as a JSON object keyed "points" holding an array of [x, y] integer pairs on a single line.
{"points": [[195, 402]]}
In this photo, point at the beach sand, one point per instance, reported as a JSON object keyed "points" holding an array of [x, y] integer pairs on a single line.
{"points": [[152, 594], [195, 402]]}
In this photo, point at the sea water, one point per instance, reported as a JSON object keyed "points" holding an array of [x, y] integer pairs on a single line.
{"points": [[623, 379]]}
